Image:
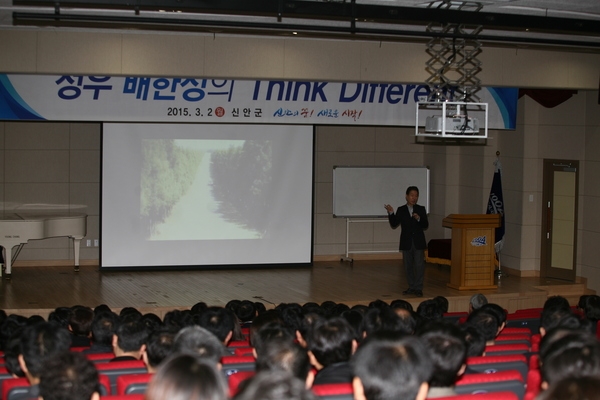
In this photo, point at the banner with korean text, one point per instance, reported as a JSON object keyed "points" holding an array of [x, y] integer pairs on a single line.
{"points": [[205, 100]]}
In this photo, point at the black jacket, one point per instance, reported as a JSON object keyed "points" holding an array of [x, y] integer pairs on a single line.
{"points": [[412, 230]]}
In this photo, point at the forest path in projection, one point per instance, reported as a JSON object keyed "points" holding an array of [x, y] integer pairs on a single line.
{"points": [[195, 216]]}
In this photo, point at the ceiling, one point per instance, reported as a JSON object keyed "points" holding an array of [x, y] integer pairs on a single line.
{"points": [[570, 24]]}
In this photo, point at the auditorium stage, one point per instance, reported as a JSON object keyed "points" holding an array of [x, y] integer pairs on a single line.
{"points": [[38, 290]]}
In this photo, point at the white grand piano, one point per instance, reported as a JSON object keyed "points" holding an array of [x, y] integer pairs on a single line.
{"points": [[17, 228]]}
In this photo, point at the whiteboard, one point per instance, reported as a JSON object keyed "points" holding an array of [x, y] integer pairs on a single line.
{"points": [[361, 192]]}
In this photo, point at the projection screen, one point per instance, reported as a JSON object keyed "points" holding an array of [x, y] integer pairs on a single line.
{"points": [[196, 195]]}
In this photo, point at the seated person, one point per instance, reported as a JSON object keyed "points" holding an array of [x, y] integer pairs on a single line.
{"points": [[275, 385], [69, 376], [219, 321], [159, 346], [103, 328], [391, 369], [486, 322], [80, 325], [287, 356], [39, 343], [189, 377], [476, 302], [448, 352], [201, 342], [331, 343], [129, 340]]}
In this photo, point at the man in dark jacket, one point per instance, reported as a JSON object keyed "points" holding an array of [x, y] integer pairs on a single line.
{"points": [[412, 218]]}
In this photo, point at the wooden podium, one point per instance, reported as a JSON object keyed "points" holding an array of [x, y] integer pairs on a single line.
{"points": [[473, 253]]}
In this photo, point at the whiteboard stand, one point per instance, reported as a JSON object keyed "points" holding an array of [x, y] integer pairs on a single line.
{"points": [[361, 220]]}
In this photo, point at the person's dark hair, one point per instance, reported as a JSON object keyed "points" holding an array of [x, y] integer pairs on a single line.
{"points": [[159, 346], [557, 302], [284, 355], [3, 316], [129, 314], [275, 385], [474, 339], [260, 307], [178, 319], [187, 377], [104, 327], [379, 304], [218, 320], [152, 321], [497, 310], [11, 355], [12, 324], [553, 317], [131, 335], [102, 308], [401, 303], [486, 321], [268, 333], [354, 318], [573, 388], [447, 349], [41, 342], [411, 188], [198, 307], [430, 310], [263, 319], [246, 311], [34, 319], [392, 369], [442, 303], [330, 341], [68, 376], [575, 355], [291, 315], [60, 316], [199, 341], [592, 308], [377, 319], [80, 320]]}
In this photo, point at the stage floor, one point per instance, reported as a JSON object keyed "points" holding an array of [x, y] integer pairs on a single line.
{"points": [[37, 290]]}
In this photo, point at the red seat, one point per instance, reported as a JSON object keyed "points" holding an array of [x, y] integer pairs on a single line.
{"points": [[515, 330], [104, 385], [504, 349], [14, 386], [133, 383], [239, 343], [338, 391], [534, 380], [243, 351], [124, 397], [513, 339], [534, 361], [117, 368], [234, 364], [234, 381], [494, 364], [79, 348], [502, 381], [483, 396], [98, 358]]}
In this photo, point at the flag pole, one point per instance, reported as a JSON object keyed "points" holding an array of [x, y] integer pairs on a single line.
{"points": [[499, 244]]}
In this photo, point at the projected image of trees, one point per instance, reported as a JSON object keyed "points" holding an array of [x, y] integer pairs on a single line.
{"points": [[241, 183], [168, 172]]}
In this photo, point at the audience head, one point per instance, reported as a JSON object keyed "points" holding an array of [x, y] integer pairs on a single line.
{"points": [[391, 370], [39, 343], [104, 326], [401, 303], [69, 376], [12, 350], [486, 322], [330, 341], [268, 317], [218, 320], [268, 333], [498, 312], [60, 316], [447, 350], [442, 303], [201, 342], [159, 346], [130, 337], [129, 314], [474, 339], [287, 356], [430, 310], [380, 319], [573, 388], [187, 377], [80, 320], [575, 354], [554, 317], [476, 302], [275, 385]]}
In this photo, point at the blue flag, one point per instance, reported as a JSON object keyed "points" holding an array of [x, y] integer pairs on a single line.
{"points": [[496, 204]]}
